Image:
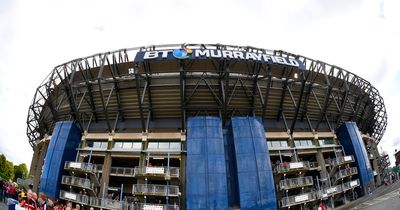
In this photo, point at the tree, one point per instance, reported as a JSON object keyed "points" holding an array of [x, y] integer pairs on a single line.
{"points": [[20, 171], [9, 169], [2, 163], [396, 169]]}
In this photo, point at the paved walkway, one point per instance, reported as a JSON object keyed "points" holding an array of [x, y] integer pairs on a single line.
{"points": [[3, 206], [379, 195]]}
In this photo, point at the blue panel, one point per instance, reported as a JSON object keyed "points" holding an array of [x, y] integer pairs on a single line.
{"points": [[349, 136], [253, 165], [206, 181], [64, 141]]}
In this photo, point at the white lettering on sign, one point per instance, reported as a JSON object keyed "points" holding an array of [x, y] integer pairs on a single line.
{"points": [[154, 170], [224, 54], [150, 55], [301, 198], [152, 207], [353, 183], [347, 158], [70, 196], [296, 165], [331, 190], [75, 165]]}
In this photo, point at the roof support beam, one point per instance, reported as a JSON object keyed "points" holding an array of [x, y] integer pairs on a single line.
{"points": [[99, 81], [303, 84], [140, 105], [182, 88], [266, 96]]}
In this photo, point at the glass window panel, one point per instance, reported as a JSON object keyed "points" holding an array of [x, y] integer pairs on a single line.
{"points": [[175, 146], [163, 145], [137, 145], [104, 145], [284, 144], [118, 145], [127, 145], [152, 145], [297, 143], [276, 143], [96, 144], [269, 144]]}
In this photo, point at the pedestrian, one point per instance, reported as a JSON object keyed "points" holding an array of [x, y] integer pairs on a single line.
{"points": [[1, 190], [321, 206], [42, 202], [369, 191]]}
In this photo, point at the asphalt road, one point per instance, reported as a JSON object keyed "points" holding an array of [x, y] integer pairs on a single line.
{"points": [[388, 201]]}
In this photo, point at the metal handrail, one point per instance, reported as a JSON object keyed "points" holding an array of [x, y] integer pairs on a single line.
{"points": [[295, 182], [169, 171], [291, 166], [112, 204], [349, 185], [78, 165], [314, 195], [152, 189], [299, 199], [345, 172], [122, 171], [340, 160], [314, 164], [77, 181]]}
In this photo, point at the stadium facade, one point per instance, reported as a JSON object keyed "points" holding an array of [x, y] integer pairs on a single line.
{"points": [[205, 126]]}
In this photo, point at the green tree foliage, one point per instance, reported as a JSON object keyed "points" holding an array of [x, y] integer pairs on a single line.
{"points": [[396, 169], [3, 161], [20, 171], [9, 169]]}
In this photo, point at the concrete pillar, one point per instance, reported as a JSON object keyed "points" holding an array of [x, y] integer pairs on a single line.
{"points": [[321, 162], [182, 173], [105, 178], [40, 150], [376, 168], [143, 160], [35, 159]]}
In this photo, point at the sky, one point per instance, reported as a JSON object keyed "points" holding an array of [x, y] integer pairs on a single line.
{"points": [[361, 36]]}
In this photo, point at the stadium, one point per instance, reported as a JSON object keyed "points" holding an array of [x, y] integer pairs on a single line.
{"points": [[205, 126]]}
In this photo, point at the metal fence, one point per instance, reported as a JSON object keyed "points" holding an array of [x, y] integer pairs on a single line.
{"points": [[345, 172], [168, 171], [295, 182], [292, 166], [113, 204], [151, 189], [77, 181]]}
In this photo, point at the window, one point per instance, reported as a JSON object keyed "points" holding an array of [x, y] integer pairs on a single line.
{"points": [[118, 145], [281, 143], [175, 146], [303, 143], [127, 145], [326, 142], [97, 144], [137, 145]]}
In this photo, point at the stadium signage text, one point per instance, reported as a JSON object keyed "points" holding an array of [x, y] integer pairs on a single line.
{"points": [[216, 54]]}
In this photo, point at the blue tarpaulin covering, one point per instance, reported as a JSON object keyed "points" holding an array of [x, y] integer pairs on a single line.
{"points": [[206, 184], [64, 141], [353, 144], [254, 171]]}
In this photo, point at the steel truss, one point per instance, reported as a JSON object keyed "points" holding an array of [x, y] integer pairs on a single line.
{"points": [[111, 88]]}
